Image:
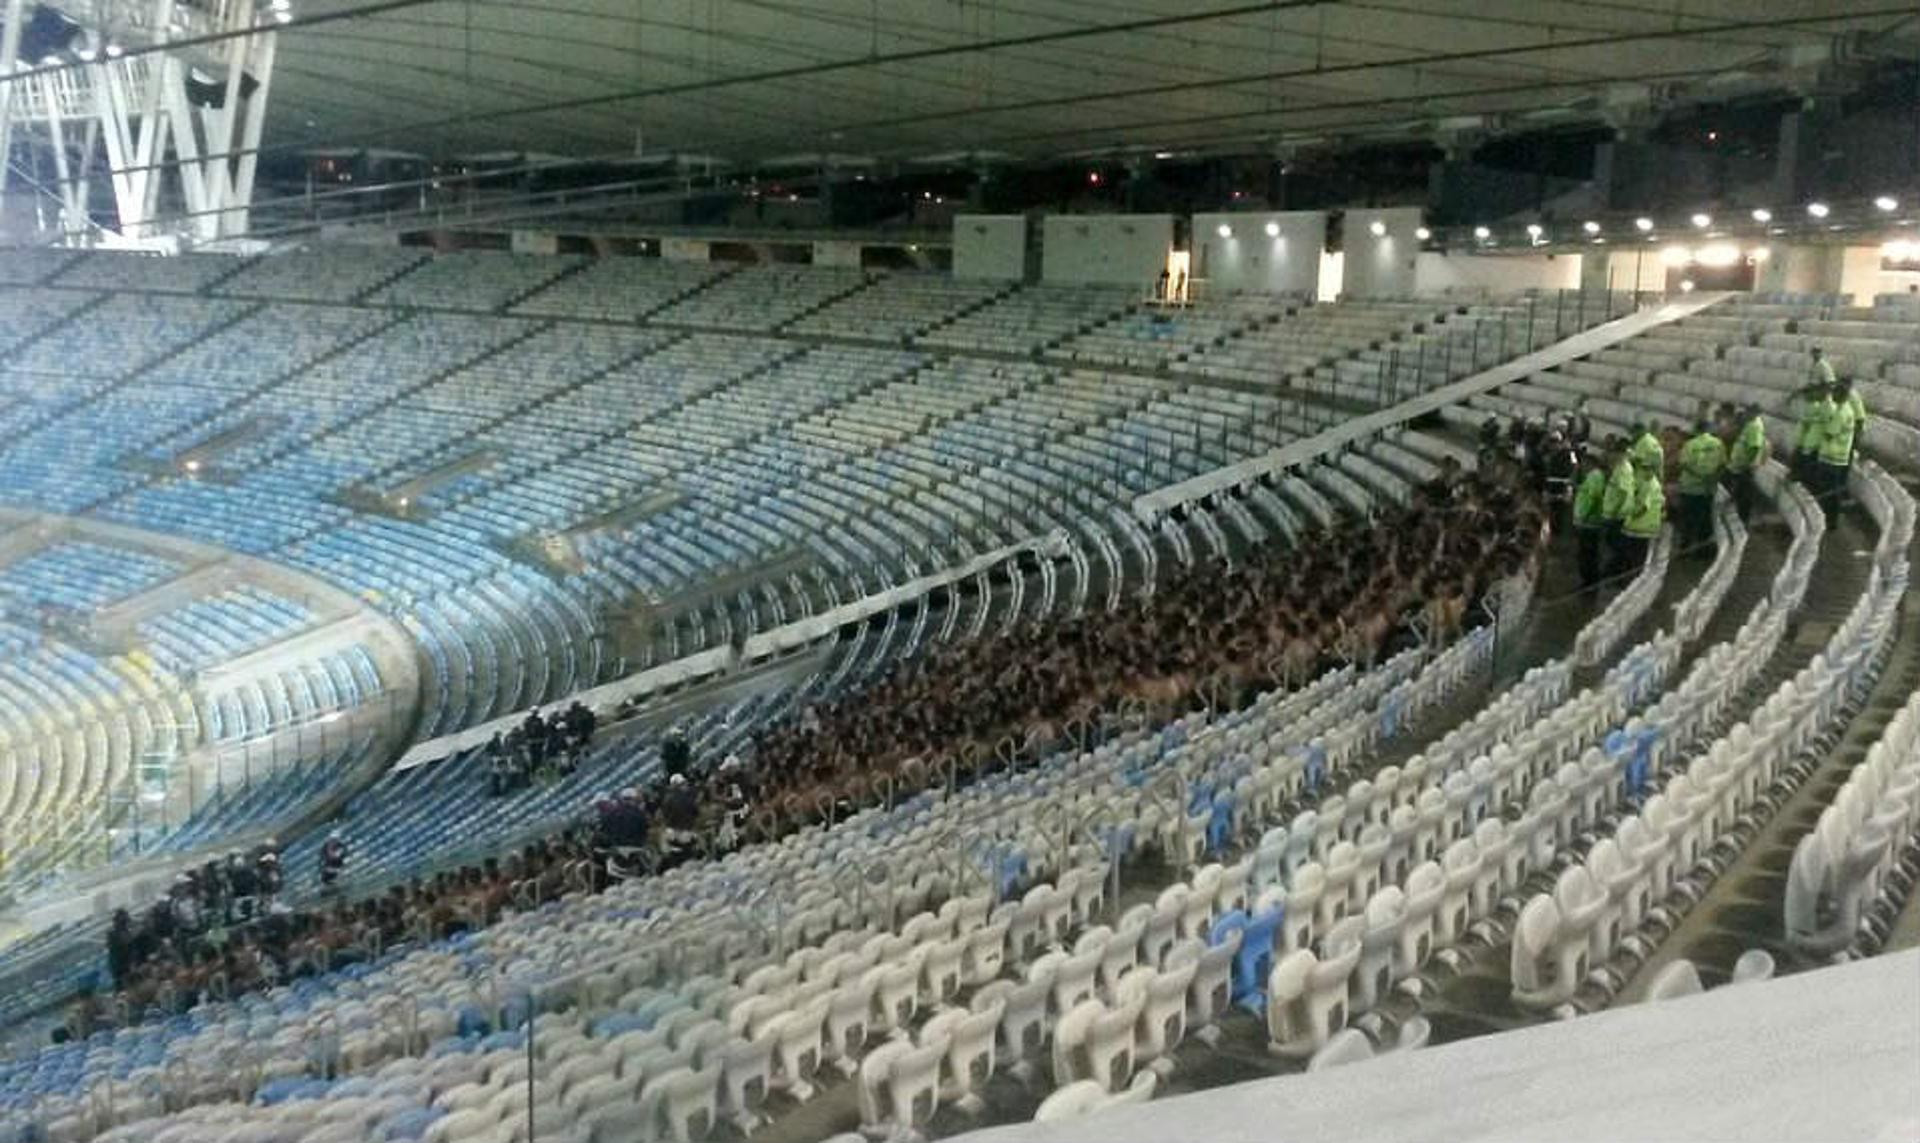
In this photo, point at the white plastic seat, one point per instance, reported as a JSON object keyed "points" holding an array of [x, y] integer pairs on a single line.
{"points": [[1385, 917], [1307, 996], [1674, 981], [1425, 888], [1552, 944], [1072, 1059], [688, 1101], [1302, 909], [970, 1055], [1460, 865], [799, 1045], [849, 1016]]}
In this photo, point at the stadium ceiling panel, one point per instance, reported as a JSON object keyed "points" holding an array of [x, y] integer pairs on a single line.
{"points": [[896, 80]]}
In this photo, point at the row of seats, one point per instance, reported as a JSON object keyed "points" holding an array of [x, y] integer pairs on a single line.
{"points": [[1662, 858], [1154, 337], [475, 280], [1738, 352], [745, 1058], [899, 307], [78, 576]]}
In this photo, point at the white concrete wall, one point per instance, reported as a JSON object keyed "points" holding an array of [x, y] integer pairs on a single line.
{"points": [[1107, 249], [1384, 266], [1254, 261], [1861, 275], [990, 246], [1800, 270], [1435, 272], [1635, 268], [837, 254], [684, 250]]}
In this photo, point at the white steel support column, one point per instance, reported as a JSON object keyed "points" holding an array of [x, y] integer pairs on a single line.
{"points": [[161, 150], [9, 81]]}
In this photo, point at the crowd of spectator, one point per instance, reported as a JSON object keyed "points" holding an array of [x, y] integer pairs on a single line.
{"points": [[210, 938], [1281, 614], [1355, 592], [539, 746]]}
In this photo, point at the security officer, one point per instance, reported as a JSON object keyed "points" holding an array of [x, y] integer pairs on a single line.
{"points": [[1748, 453], [1642, 524], [1648, 454], [1615, 503], [1589, 525], [1816, 409], [1701, 460], [1836, 452]]}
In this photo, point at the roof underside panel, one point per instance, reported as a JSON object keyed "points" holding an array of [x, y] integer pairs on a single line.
{"points": [[755, 79]]}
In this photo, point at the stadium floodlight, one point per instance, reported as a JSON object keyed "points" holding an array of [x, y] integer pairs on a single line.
{"points": [[1273, 230], [1702, 221], [1762, 214], [1482, 233], [1590, 226], [1817, 209], [1643, 224], [1422, 233], [1535, 230], [1225, 231], [1377, 228], [1887, 203]]}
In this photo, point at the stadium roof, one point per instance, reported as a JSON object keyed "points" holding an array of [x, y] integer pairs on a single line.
{"points": [[944, 80]]}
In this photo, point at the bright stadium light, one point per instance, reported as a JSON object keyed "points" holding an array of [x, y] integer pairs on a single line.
{"points": [[1720, 254], [1534, 230], [1273, 230], [1590, 226], [1886, 203], [1817, 209], [1702, 221], [1482, 233], [1643, 224], [1225, 231], [1422, 233], [1762, 214], [1377, 228]]}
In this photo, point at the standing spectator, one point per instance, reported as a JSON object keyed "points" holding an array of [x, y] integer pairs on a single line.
{"points": [[333, 859], [675, 755], [1559, 466], [1580, 425], [120, 950], [266, 868]]}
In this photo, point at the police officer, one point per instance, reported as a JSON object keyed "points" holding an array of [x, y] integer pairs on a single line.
{"points": [[1748, 453], [1816, 409], [1615, 502], [1643, 520], [1589, 526], [1835, 456], [1648, 454], [1701, 460]]}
